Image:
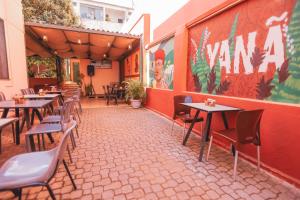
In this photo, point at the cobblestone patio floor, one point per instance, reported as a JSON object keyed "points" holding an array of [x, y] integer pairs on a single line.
{"points": [[124, 153]]}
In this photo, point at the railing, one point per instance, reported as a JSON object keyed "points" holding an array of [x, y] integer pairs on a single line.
{"points": [[101, 25]]}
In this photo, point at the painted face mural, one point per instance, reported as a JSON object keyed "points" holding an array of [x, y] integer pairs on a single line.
{"points": [[162, 65], [254, 54]]}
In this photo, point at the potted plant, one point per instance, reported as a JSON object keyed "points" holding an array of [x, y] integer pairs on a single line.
{"points": [[135, 92]]}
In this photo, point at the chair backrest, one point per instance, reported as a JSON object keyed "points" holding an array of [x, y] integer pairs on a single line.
{"points": [[61, 148], [25, 91], [31, 91], [2, 96], [57, 153], [180, 109], [248, 126], [66, 111]]}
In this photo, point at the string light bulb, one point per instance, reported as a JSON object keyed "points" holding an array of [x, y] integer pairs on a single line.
{"points": [[45, 38]]}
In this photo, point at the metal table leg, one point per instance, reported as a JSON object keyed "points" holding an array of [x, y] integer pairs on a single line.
{"points": [[17, 126], [224, 120], [205, 135], [4, 113], [191, 128], [40, 117]]}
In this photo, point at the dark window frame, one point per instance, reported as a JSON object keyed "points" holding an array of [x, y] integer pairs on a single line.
{"points": [[4, 71]]}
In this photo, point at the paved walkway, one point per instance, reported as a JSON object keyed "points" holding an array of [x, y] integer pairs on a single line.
{"points": [[124, 153]]}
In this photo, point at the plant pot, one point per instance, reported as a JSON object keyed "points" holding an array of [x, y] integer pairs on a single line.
{"points": [[136, 103]]}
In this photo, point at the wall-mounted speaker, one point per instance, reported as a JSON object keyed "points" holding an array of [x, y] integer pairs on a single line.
{"points": [[91, 70]]}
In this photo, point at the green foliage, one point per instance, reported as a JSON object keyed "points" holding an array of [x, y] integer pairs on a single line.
{"points": [[200, 67], [287, 80], [49, 63], [134, 90], [49, 11], [232, 34]]}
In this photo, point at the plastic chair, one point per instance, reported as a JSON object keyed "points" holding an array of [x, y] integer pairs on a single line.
{"points": [[52, 119], [5, 122], [36, 168], [183, 112], [11, 120], [247, 131], [46, 128]]}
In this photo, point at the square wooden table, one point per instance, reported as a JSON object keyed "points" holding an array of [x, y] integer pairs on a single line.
{"points": [[28, 104], [209, 110], [47, 96], [37, 96]]}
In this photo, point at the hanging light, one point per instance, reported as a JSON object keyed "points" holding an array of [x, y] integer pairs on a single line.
{"points": [[129, 46], [79, 41], [104, 55], [108, 44], [45, 38]]}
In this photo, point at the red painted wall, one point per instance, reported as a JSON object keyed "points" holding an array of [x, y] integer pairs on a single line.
{"points": [[280, 123]]}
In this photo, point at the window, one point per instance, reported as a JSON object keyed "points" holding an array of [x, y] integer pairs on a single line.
{"points": [[90, 12], [3, 53], [120, 21]]}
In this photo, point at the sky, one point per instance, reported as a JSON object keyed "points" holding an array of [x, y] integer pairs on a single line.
{"points": [[160, 10]]}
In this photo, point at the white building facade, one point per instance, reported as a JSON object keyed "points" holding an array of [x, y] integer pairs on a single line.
{"points": [[109, 15]]}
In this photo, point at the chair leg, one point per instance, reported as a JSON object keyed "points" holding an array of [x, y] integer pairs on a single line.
{"points": [[184, 125], [73, 139], [20, 193], [13, 131], [80, 107], [78, 115], [172, 127], [76, 129], [43, 141], [39, 141], [209, 147], [69, 153], [258, 158], [235, 164], [50, 192], [69, 174]]}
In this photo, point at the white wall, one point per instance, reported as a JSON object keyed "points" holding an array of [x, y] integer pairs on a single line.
{"points": [[159, 11], [11, 13]]}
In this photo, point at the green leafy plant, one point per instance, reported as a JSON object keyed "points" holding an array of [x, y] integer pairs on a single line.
{"points": [[30, 73], [49, 11], [134, 90], [45, 67]]}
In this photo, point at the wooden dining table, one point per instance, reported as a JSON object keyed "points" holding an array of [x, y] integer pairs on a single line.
{"points": [[209, 110], [35, 105]]}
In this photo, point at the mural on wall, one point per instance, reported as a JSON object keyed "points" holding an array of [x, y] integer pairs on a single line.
{"points": [[162, 65], [132, 64], [127, 66], [255, 53], [135, 67]]}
